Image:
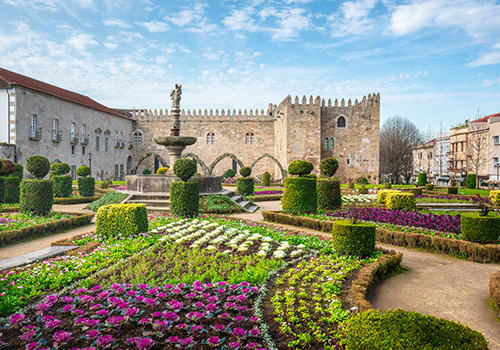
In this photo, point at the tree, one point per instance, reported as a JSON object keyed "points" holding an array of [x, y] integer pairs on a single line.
{"points": [[478, 146], [442, 147], [398, 136]]}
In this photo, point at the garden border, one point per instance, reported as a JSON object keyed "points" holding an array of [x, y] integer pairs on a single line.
{"points": [[265, 198], [76, 200], [483, 253], [26, 233], [495, 290]]}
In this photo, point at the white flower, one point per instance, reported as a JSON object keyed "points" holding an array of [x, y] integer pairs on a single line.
{"points": [[266, 239], [262, 253], [211, 247], [279, 254], [301, 246]]}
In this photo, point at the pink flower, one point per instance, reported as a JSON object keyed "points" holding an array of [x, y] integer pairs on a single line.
{"points": [[160, 326], [150, 301], [68, 307], [32, 346], [241, 298], [103, 295], [92, 334], [91, 323], [176, 290], [51, 298], [145, 343], [62, 337], [102, 313], [96, 288], [156, 314], [229, 305], [211, 307], [173, 339], [139, 298], [254, 332], [213, 340], [143, 286], [105, 340], [131, 312], [115, 320], [143, 321], [186, 341], [239, 332], [42, 307], [131, 293], [171, 316], [53, 324], [152, 291], [235, 345], [67, 300], [16, 318], [224, 315], [219, 327], [28, 335], [181, 326], [161, 295]]}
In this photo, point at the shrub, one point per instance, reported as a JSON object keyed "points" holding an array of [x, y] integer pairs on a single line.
{"points": [[362, 180], [415, 190], [229, 173], [18, 171], [386, 185], [363, 191], [12, 189], [184, 168], [265, 180], [495, 198], [353, 239], [350, 185], [480, 229], [2, 189], [329, 166], [38, 166], [245, 171], [399, 329], [300, 167], [162, 170], [429, 187], [7, 167], [63, 168], [452, 190], [422, 179], [63, 185], [329, 196], [37, 196], [83, 171], [495, 288], [146, 172], [184, 198], [121, 220], [400, 201], [216, 204], [471, 181], [86, 186], [382, 194], [299, 195], [108, 198], [245, 186]]}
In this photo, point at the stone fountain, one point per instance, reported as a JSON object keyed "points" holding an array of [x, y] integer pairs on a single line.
{"points": [[174, 144]]}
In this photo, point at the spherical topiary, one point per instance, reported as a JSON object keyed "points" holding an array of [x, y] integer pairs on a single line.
{"points": [[146, 171], [83, 171], [429, 187], [38, 166], [7, 167], [265, 180], [62, 168], [362, 180], [229, 173], [245, 171], [480, 229], [184, 168], [329, 166], [162, 170], [353, 239], [300, 167]]}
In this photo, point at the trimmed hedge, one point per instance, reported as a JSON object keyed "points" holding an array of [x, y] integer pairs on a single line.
{"points": [[400, 329], [229, 173], [265, 180], [350, 185], [429, 187], [18, 172], [63, 186], [245, 171], [329, 166], [7, 167], [184, 198], [354, 239], [452, 190], [299, 195], [382, 195], [398, 201], [386, 185], [37, 196], [271, 197], [329, 196], [480, 229], [362, 180], [162, 170], [495, 198], [12, 189], [422, 179], [416, 191], [38, 166], [76, 200], [2, 189], [121, 220], [244, 186], [46, 229], [86, 186], [495, 289], [471, 181], [363, 190], [83, 171], [300, 167], [184, 168]]}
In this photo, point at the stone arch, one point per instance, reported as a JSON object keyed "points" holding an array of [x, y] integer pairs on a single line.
{"points": [[221, 157], [57, 160], [267, 155], [206, 170], [143, 157]]}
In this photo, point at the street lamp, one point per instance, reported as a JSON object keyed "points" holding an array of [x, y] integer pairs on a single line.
{"points": [[90, 159]]}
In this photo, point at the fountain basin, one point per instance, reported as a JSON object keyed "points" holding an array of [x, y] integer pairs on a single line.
{"points": [[175, 140], [161, 183]]}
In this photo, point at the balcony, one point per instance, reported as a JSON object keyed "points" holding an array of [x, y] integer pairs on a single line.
{"points": [[56, 136], [74, 138], [84, 140], [119, 144], [36, 134], [130, 145]]}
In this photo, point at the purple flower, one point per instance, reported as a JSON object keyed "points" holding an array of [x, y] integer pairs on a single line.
{"points": [[198, 305], [239, 318], [67, 300], [152, 291], [239, 332], [143, 321], [115, 320], [150, 301], [145, 343], [173, 339], [91, 323], [219, 327], [221, 284], [16, 318], [241, 298], [211, 307], [186, 341], [28, 335], [53, 324], [229, 305], [68, 307], [102, 313], [105, 340], [160, 326], [214, 340], [161, 295], [62, 337], [103, 295], [98, 287], [181, 326], [252, 345], [224, 315], [235, 345], [156, 314], [143, 286], [196, 329], [170, 315], [131, 312], [254, 332], [92, 334], [32, 346], [131, 293], [139, 298], [51, 298], [176, 290], [42, 307]]}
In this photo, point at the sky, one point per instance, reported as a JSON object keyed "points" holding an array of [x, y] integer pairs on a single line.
{"points": [[435, 62]]}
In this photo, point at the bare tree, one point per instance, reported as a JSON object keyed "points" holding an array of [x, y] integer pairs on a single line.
{"points": [[398, 136], [478, 146], [441, 150]]}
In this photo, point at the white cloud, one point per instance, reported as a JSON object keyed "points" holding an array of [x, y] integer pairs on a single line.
{"points": [[241, 20], [353, 18], [487, 58], [115, 22], [110, 46], [39, 5], [155, 26], [82, 42], [86, 4], [193, 19], [290, 23]]}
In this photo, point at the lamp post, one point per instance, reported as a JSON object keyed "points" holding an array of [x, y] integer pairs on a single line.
{"points": [[90, 159]]}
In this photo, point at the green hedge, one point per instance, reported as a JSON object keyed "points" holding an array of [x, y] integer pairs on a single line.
{"points": [[382, 195], [353, 239], [471, 181], [76, 200], [121, 220], [329, 196], [86, 186], [363, 190], [267, 198], [38, 166], [429, 187], [400, 201], [37, 196], [184, 168], [422, 179], [184, 198], [350, 185], [300, 195], [386, 185], [300, 167], [113, 197], [399, 329], [18, 172], [265, 180], [244, 186], [2, 189], [416, 190], [452, 190], [245, 171], [12, 189], [63, 186], [480, 229]]}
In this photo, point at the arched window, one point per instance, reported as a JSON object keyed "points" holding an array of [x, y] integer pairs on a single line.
{"points": [[208, 138], [135, 136], [251, 138], [332, 144], [247, 139], [213, 138], [326, 143], [139, 137], [341, 122]]}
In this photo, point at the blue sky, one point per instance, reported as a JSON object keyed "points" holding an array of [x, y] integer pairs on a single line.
{"points": [[431, 60]]}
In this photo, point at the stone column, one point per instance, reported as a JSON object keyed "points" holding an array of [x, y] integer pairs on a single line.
{"points": [[175, 152]]}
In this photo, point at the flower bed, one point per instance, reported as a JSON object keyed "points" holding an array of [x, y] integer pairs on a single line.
{"points": [[359, 198], [15, 220], [423, 198], [264, 191], [76, 200]]}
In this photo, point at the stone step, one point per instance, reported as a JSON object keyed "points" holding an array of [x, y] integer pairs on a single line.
{"points": [[252, 208], [158, 210], [136, 197], [236, 198], [244, 204], [150, 202]]}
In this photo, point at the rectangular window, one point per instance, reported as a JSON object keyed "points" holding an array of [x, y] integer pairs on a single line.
{"points": [[83, 150], [55, 126], [116, 172], [73, 130], [33, 124], [97, 141], [73, 149], [495, 161], [73, 171], [496, 140], [106, 144], [121, 171], [461, 146]]}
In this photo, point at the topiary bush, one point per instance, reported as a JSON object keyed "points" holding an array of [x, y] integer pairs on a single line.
{"points": [[2, 189], [363, 191], [121, 220], [38, 166], [429, 187], [37, 196], [86, 186], [329, 196], [495, 289], [83, 171], [329, 166], [63, 168], [229, 173], [416, 191], [386, 185], [63, 186], [452, 190], [184, 198], [362, 180], [299, 195], [12, 189], [353, 239], [245, 186], [146, 172], [471, 181], [245, 171], [400, 201], [265, 180], [422, 179], [480, 229], [300, 168], [184, 168], [399, 329], [350, 185], [7, 167], [382, 194], [495, 198], [162, 170], [18, 171]]}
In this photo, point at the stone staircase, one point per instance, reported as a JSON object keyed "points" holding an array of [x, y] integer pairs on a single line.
{"points": [[247, 205]]}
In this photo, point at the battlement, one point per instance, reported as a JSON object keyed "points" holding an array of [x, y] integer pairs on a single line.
{"points": [[147, 114], [366, 102]]}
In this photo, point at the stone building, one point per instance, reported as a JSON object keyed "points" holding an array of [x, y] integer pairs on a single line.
{"points": [[432, 158]]}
